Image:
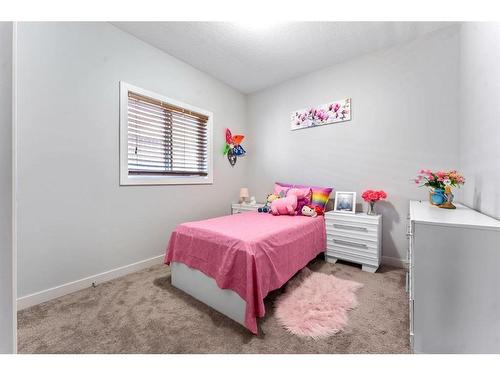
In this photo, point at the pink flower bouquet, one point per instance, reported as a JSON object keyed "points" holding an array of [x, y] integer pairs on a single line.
{"points": [[440, 184], [439, 179], [373, 196]]}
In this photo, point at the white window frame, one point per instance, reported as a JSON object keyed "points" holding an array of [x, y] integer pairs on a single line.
{"points": [[125, 178]]}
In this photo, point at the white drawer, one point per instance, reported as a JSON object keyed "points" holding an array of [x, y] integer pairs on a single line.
{"points": [[237, 209], [369, 245], [371, 236], [357, 219], [352, 250], [351, 256], [352, 227]]}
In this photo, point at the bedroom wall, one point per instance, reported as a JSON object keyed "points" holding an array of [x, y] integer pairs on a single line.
{"points": [[404, 118], [74, 218], [479, 113], [6, 251]]}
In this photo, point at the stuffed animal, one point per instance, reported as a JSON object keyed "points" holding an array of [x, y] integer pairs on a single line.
{"points": [[319, 210], [309, 211], [286, 205], [267, 207]]}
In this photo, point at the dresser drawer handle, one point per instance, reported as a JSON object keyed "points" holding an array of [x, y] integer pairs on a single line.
{"points": [[350, 227], [349, 243]]}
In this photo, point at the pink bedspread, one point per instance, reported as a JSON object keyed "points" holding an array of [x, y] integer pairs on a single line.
{"points": [[250, 253]]}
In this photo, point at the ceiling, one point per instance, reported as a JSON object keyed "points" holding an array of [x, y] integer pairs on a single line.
{"points": [[253, 56]]}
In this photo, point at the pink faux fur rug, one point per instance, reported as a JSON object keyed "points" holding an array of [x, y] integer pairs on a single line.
{"points": [[316, 304]]}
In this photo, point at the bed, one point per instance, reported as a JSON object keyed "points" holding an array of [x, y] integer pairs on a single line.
{"points": [[232, 262]]}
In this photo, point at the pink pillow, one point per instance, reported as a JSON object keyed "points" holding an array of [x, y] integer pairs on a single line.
{"points": [[281, 190], [320, 195]]}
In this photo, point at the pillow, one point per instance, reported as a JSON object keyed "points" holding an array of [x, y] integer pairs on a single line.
{"points": [[281, 189], [319, 197]]}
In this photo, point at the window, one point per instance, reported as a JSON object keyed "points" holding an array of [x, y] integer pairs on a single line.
{"points": [[163, 141]]}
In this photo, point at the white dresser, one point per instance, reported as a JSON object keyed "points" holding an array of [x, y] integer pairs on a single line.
{"points": [[237, 208], [453, 280], [354, 237]]}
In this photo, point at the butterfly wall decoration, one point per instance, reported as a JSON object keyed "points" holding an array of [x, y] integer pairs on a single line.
{"points": [[233, 147]]}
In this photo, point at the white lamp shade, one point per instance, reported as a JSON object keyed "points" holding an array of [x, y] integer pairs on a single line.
{"points": [[244, 193]]}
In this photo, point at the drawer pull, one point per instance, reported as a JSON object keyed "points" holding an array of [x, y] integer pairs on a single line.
{"points": [[350, 227], [349, 243]]}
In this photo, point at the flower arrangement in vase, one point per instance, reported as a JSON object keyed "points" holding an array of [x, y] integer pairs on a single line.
{"points": [[372, 197], [440, 184]]}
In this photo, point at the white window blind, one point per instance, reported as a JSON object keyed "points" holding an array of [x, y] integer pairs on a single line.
{"points": [[164, 139]]}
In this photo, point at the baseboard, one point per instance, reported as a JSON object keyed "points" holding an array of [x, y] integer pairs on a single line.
{"points": [[73, 286], [395, 262]]}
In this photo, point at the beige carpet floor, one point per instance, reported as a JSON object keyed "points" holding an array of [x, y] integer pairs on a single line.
{"points": [[143, 313]]}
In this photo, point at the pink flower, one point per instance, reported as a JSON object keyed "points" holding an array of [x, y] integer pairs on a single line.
{"points": [[439, 178], [321, 115], [373, 195]]}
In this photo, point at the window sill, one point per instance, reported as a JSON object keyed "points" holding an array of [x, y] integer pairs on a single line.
{"points": [[138, 180]]}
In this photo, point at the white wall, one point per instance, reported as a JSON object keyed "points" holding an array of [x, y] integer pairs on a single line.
{"points": [[74, 218], [404, 118], [6, 251], [479, 116]]}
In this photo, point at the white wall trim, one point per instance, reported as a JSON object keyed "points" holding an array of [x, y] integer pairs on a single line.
{"points": [[395, 262], [14, 185], [73, 286]]}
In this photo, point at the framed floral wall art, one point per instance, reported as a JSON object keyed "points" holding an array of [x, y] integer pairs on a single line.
{"points": [[330, 113]]}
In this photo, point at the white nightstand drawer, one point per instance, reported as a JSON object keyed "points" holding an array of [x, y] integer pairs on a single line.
{"points": [[358, 236], [350, 256], [244, 209], [369, 244], [358, 219], [238, 208], [355, 248], [362, 232]]}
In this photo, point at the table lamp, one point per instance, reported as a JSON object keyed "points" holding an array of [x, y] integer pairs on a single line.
{"points": [[244, 195]]}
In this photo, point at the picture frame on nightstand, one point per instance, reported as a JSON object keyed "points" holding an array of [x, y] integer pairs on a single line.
{"points": [[345, 201]]}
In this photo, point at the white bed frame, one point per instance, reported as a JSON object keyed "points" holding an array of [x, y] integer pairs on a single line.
{"points": [[205, 289]]}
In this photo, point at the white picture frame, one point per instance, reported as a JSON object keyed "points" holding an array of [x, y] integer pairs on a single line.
{"points": [[345, 202]]}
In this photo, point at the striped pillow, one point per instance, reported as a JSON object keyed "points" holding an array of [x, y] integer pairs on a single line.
{"points": [[320, 195]]}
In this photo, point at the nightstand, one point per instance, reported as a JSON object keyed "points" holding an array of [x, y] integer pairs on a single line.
{"points": [[354, 237], [238, 208]]}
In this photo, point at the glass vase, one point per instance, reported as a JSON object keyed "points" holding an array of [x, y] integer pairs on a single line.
{"points": [[371, 208]]}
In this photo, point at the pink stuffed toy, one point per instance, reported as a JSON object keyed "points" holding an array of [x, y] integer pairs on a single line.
{"points": [[288, 204]]}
